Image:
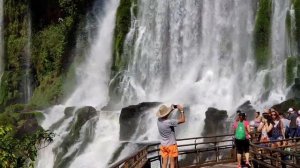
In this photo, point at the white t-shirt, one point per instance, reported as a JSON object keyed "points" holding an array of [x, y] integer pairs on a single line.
{"points": [[298, 121]]}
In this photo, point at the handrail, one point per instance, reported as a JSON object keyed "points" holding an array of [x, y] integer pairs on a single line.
{"points": [[269, 159], [150, 152], [197, 150], [122, 161]]}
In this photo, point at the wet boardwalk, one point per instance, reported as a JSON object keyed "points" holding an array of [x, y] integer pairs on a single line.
{"points": [[227, 165]]}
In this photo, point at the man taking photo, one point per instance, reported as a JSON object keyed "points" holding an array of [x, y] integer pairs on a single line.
{"points": [[168, 148]]}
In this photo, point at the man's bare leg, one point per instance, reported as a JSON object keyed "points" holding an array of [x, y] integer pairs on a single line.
{"points": [[172, 162], [165, 162]]}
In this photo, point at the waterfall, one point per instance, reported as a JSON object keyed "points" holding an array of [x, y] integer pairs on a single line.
{"points": [[280, 51], [195, 52], [200, 53], [1, 38], [92, 89], [27, 76]]}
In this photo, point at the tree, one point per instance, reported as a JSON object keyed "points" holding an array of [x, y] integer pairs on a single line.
{"points": [[21, 152]]}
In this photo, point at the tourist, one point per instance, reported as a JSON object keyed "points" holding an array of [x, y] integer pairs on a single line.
{"points": [[277, 130], [257, 120], [293, 125], [265, 127], [241, 131], [298, 124], [168, 148], [237, 115], [286, 124]]}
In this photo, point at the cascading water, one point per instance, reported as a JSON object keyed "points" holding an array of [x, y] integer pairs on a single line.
{"points": [[200, 53], [195, 52], [280, 50], [27, 76], [185, 49], [92, 89], [1, 39]]}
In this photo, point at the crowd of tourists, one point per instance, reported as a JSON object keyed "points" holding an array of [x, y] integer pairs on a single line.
{"points": [[276, 126], [272, 127]]}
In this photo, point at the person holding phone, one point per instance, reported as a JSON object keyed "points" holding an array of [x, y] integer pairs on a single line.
{"points": [[168, 148]]}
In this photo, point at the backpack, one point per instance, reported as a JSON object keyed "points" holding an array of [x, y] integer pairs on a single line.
{"points": [[240, 132]]}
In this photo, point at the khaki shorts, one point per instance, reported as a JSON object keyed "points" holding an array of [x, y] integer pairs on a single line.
{"points": [[169, 151]]}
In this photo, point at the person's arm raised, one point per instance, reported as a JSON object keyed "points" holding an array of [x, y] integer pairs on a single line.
{"points": [[181, 118]]}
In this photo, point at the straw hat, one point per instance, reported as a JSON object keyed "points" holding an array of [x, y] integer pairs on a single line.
{"points": [[163, 111]]}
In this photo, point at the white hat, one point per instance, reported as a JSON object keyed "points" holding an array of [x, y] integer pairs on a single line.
{"points": [[290, 110], [299, 112]]}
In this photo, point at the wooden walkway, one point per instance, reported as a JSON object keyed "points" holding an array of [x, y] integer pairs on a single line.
{"points": [[228, 165], [217, 151]]}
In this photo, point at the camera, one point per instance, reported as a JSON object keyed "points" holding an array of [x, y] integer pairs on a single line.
{"points": [[174, 106]]}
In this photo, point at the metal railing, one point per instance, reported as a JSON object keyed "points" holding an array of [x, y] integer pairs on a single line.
{"points": [[137, 159], [212, 150], [203, 151], [267, 154]]}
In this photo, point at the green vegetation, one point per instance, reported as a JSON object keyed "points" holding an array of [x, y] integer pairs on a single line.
{"points": [[48, 93], [54, 23], [268, 82], [15, 36], [288, 24], [21, 136], [291, 65], [262, 33], [120, 60], [123, 22], [21, 152], [47, 58], [296, 4]]}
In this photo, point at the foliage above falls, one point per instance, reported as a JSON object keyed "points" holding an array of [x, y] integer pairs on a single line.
{"points": [[53, 25]]}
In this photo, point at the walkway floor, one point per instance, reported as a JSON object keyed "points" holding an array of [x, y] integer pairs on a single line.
{"points": [[227, 165]]}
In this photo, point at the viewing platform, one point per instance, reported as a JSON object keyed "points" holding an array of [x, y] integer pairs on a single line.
{"points": [[217, 151]]}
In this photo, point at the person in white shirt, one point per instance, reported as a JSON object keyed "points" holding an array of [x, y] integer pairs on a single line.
{"points": [[298, 124]]}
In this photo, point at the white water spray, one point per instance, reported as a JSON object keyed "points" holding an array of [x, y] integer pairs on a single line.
{"points": [[92, 89], [200, 53], [27, 76], [195, 52]]}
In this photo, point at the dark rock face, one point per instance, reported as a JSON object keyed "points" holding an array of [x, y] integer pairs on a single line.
{"points": [[30, 126], [68, 113], [215, 121], [294, 93], [84, 115], [248, 109], [284, 106], [130, 117]]}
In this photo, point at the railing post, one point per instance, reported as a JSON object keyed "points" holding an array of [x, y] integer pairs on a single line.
{"points": [[197, 154], [159, 156], [216, 149]]}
